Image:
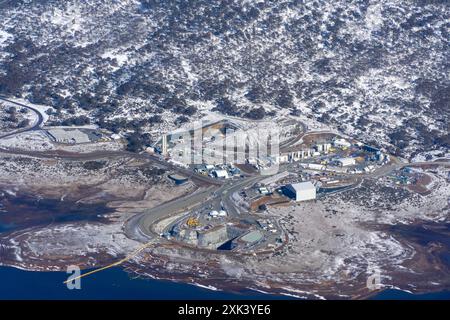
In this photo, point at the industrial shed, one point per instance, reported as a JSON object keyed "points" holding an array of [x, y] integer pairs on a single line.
{"points": [[302, 191]]}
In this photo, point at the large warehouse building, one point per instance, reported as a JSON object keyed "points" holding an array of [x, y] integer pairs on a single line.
{"points": [[344, 162], [302, 191]]}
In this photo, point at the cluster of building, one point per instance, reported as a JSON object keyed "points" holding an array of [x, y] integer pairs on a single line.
{"points": [[221, 171], [316, 150], [218, 213], [338, 155], [218, 236], [405, 176]]}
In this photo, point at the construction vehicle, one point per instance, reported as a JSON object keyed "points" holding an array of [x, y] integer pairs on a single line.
{"points": [[192, 222]]}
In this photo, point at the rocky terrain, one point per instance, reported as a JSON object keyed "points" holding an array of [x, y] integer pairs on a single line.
{"points": [[376, 69]]}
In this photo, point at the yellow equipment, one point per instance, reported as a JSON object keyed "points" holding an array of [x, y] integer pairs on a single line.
{"points": [[192, 222]]}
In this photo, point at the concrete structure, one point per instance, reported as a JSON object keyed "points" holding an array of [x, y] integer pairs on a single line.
{"points": [[178, 178], [212, 238], [301, 154], [292, 156], [164, 146], [70, 136], [252, 237], [344, 162], [302, 191], [322, 147]]}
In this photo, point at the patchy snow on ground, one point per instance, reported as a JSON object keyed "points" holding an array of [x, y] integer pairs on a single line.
{"points": [[121, 58], [60, 245], [38, 140], [92, 147], [431, 156], [30, 140], [4, 37], [41, 108]]}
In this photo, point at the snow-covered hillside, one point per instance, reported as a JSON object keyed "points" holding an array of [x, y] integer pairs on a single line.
{"points": [[375, 69]]}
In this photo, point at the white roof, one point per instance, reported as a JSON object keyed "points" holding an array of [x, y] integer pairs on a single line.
{"points": [[221, 173], [346, 159], [303, 186]]}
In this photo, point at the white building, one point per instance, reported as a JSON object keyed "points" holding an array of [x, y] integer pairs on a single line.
{"points": [[282, 158], [222, 213], [116, 136], [263, 190], [303, 191], [323, 147], [221, 174], [301, 154], [150, 150], [314, 166], [342, 143], [214, 213], [344, 162]]}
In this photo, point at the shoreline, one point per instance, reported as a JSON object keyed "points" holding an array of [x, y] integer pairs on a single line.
{"points": [[247, 293]]}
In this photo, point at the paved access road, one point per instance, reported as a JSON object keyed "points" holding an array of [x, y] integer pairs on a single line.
{"points": [[141, 225], [36, 126]]}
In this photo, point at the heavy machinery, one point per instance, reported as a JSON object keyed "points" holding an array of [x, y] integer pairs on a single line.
{"points": [[192, 222]]}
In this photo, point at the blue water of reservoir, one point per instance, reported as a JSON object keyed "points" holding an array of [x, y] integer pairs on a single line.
{"points": [[112, 283], [116, 284]]}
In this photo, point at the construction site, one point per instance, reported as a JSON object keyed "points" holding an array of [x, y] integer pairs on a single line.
{"points": [[215, 230]]}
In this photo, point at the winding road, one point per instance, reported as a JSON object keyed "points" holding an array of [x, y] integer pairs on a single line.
{"points": [[36, 126]]}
